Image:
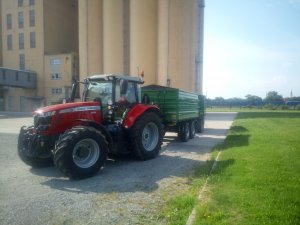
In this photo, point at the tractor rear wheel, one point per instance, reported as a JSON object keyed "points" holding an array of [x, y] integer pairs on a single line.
{"points": [[146, 136], [80, 152]]}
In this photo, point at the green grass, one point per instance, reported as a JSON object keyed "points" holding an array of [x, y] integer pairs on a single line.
{"points": [[256, 181]]}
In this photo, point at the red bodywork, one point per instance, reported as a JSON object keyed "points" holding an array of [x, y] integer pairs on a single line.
{"points": [[135, 112], [66, 116], [69, 115]]}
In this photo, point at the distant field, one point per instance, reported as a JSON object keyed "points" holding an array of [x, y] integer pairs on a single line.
{"points": [[252, 109], [257, 178]]}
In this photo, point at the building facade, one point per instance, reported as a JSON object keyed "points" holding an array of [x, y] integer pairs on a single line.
{"points": [[33, 33], [163, 38], [58, 40]]}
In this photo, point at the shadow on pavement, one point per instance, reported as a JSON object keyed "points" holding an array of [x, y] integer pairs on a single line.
{"points": [[128, 175]]}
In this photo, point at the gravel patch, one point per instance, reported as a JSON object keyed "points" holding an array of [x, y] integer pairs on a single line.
{"points": [[125, 191]]}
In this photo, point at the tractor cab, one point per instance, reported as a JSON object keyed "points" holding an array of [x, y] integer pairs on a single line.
{"points": [[116, 94]]}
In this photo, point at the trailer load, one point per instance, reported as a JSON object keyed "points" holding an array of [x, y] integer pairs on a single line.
{"points": [[182, 111]]}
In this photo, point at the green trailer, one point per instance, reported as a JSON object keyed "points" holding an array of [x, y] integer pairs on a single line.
{"points": [[182, 111]]}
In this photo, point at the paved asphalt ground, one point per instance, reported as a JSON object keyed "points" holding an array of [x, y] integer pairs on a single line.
{"points": [[125, 191]]}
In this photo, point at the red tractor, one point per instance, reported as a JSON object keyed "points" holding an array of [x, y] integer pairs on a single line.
{"points": [[78, 136]]}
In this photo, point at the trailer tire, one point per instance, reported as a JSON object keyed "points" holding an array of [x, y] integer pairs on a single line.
{"points": [[192, 129], [146, 136], [80, 152], [200, 125], [184, 131]]}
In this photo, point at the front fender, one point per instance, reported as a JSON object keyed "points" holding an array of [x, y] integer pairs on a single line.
{"points": [[98, 126], [136, 112]]}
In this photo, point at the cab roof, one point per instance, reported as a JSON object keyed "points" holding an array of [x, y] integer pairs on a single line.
{"points": [[115, 76]]}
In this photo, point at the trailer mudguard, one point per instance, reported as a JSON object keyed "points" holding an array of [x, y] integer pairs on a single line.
{"points": [[136, 112]]}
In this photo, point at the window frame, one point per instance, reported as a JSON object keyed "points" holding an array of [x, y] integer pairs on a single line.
{"points": [[32, 18], [22, 61], [32, 39], [21, 41], [9, 42], [20, 3], [8, 21], [21, 20]]}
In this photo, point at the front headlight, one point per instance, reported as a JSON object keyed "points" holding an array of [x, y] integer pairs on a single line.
{"points": [[43, 118]]}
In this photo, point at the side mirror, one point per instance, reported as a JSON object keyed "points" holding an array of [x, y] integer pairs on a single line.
{"points": [[123, 86]]}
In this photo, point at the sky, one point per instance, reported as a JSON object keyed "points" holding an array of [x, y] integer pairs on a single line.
{"points": [[251, 47]]}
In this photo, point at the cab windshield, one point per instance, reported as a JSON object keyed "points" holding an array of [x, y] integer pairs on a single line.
{"points": [[100, 90]]}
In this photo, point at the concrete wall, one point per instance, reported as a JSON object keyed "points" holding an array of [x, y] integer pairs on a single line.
{"points": [[163, 38], [61, 28]]}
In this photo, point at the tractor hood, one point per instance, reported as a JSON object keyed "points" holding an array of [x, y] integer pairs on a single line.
{"points": [[68, 108]]}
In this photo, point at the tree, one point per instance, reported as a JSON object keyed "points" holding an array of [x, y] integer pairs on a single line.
{"points": [[253, 100], [274, 98]]}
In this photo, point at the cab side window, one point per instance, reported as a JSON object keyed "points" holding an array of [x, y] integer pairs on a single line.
{"points": [[130, 95]]}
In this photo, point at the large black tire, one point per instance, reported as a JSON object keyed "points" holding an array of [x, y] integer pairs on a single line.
{"points": [[146, 136], [200, 125], [192, 129], [33, 161], [184, 131], [80, 152]]}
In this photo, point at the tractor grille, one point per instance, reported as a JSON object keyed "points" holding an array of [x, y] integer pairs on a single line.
{"points": [[41, 120]]}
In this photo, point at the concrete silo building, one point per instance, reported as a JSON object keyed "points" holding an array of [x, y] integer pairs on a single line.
{"points": [[163, 38], [45, 44]]}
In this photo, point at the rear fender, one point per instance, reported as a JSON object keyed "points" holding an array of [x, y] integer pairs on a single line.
{"points": [[136, 112], [104, 131]]}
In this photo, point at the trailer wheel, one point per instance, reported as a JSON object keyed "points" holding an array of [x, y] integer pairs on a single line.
{"points": [[192, 129], [23, 145], [146, 136], [80, 152], [184, 131], [200, 125]]}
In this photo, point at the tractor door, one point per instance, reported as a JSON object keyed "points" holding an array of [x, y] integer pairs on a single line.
{"points": [[126, 98]]}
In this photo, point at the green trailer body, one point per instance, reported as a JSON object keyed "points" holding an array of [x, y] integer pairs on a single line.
{"points": [[176, 105]]}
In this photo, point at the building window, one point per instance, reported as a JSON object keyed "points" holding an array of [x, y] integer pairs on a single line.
{"points": [[20, 3], [9, 42], [32, 39], [22, 61], [55, 76], [31, 2], [21, 40], [9, 21], [56, 91], [21, 19], [28, 77], [55, 61], [32, 18], [17, 76]]}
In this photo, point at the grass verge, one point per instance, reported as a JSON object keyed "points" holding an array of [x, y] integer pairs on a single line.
{"points": [[256, 181]]}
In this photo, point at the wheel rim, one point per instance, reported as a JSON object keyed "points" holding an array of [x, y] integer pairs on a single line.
{"points": [[86, 153], [150, 136]]}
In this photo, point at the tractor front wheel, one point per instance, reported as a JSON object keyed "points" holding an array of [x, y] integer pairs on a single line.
{"points": [[80, 152], [146, 136]]}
